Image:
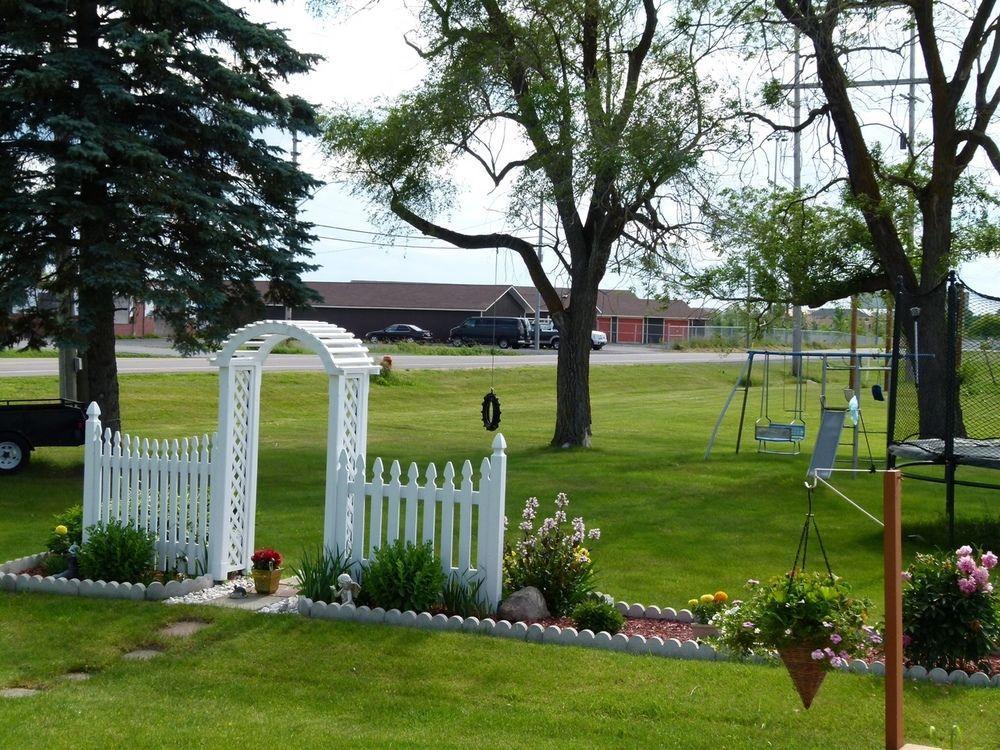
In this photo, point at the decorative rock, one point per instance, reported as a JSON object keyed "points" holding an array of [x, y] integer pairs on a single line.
{"points": [[637, 644], [425, 620], [916, 672], [877, 668], [182, 628], [937, 675], [534, 633], [154, 591], [519, 630], [653, 612], [408, 619], [602, 640], [622, 607], [142, 654], [525, 604], [393, 617], [471, 624], [455, 622], [636, 610], [18, 692], [979, 679], [685, 616], [959, 677], [585, 638], [76, 676]]}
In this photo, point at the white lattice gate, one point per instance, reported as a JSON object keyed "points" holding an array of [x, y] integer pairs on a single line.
{"points": [[348, 366]]}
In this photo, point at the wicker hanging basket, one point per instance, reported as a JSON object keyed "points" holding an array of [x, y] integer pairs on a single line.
{"points": [[807, 674]]}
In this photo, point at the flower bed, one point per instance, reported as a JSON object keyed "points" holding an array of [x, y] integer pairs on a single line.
{"points": [[12, 578], [636, 643]]}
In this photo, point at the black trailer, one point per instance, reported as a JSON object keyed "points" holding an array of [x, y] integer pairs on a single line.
{"points": [[27, 424]]}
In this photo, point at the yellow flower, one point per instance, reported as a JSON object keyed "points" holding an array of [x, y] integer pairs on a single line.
{"points": [[721, 597], [707, 598], [692, 602], [61, 530]]}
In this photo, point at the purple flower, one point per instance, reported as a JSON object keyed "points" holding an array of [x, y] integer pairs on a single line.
{"points": [[967, 586], [817, 655], [561, 500], [964, 551], [524, 526], [907, 640], [966, 564], [835, 639], [989, 561], [836, 661], [748, 625], [980, 576]]}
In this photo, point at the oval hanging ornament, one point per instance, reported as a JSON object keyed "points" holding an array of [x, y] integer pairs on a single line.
{"points": [[491, 411]]}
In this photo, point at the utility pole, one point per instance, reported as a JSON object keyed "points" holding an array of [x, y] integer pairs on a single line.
{"points": [[538, 294], [796, 185], [295, 163]]}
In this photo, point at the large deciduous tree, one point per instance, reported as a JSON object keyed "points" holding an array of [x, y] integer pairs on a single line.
{"points": [[607, 112], [959, 44], [133, 167]]}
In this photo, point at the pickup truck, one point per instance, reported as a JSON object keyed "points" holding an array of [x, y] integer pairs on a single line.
{"points": [[32, 423], [548, 336]]}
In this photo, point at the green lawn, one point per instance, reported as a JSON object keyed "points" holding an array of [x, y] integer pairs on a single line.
{"points": [[673, 526]]}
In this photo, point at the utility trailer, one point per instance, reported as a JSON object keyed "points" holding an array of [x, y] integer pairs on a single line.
{"points": [[26, 424]]}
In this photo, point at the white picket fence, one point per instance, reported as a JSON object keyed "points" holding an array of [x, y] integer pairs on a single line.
{"points": [[162, 487], [463, 521]]}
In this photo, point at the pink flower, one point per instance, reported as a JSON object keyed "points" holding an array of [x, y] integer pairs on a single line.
{"points": [[966, 564], [967, 586], [817, 655], [989, 561], [964, 551], [981, 576], [748, 625], [988, 588], [906, 575], [835, 639]]}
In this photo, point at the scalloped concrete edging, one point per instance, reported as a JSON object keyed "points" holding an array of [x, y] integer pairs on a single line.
{"points": [[11, 579], [671, 648]]}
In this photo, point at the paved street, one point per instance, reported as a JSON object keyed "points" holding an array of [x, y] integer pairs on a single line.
{"points": [[611, 355]]}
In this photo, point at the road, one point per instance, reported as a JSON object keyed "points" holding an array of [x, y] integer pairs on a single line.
{"points": [[611, 355]]}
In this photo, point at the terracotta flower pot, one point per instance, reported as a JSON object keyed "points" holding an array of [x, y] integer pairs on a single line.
{"points": [[266, 581], [807, 673]]}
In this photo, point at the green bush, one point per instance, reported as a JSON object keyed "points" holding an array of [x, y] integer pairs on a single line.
{"points": [[951, 615], [403, 576], [463, 597], [115, 552], [597, 615], [71, 520], [317, 574], [54, 564], [551, 558]]}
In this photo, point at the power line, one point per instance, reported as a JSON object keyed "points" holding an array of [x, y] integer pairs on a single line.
{"points": [[380, 234]]}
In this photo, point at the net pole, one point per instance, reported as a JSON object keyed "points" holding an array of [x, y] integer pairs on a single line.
{"points": [[892, 556]]}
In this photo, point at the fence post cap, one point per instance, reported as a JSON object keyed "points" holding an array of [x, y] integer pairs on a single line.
{"points": [[93, 410], [499, 444]]}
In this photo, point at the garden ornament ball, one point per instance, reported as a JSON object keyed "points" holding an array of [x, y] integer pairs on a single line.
{"points": [[348, 588]]}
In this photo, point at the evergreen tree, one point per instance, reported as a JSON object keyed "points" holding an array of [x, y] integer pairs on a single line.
{"points": [[133, 166]]}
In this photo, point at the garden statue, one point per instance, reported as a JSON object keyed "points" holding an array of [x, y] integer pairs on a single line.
{"points": [[72, 570], [348, 588]]}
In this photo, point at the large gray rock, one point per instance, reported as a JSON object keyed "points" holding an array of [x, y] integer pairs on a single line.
{"points": [[525, 605]]}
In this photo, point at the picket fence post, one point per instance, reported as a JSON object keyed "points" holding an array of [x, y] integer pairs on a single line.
{"points": [[492, 524], [91, 468]]}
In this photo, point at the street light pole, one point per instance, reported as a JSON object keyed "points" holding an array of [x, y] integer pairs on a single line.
{"points": [[538, 294]]}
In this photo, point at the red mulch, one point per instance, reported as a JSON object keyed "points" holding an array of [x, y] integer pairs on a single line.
{"points": [[682, 631], [38, 570]]}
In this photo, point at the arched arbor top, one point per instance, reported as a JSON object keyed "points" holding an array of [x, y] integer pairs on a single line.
{"points": [[339, 350]]}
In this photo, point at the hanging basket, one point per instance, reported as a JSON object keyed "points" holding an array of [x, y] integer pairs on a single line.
{"points": [[807, 673]]}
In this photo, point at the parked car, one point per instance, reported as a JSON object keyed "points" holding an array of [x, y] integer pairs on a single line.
{"points": [[29, 424], [548, 336], [506, 333], [400, 332]]}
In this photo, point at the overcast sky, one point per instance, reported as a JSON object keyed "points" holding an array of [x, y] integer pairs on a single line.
{"points": [[366, 60]]}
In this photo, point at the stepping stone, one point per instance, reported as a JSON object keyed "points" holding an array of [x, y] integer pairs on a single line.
{"points": [[76, 676], [182, 628], [142, 654], [18, 692]]}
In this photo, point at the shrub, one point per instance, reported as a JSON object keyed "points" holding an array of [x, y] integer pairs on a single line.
{"points": [[597, 615], [552, 559], [800, 609], [461, 596], [318, 573], [116, 552], [950, 611], [707, 606], [67, 530], [403, 576], [54, 564]]}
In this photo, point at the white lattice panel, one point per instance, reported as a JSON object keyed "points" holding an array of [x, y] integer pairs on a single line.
{"points": [[244, 401]]}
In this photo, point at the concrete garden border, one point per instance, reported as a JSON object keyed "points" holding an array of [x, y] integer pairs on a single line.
{"points": [[12, 579], [671, 648]]}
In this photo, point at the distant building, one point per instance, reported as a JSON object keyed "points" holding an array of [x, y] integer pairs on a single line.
{"points": [[362, 306]]}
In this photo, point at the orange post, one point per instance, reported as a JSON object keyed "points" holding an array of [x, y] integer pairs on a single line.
{"points": [[892, 550]]}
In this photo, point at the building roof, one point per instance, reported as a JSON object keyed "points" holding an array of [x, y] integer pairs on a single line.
{"points": [[412, 295]]}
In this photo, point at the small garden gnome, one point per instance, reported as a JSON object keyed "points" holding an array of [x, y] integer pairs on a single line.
{"points": [[72, 567], [348, 588]]}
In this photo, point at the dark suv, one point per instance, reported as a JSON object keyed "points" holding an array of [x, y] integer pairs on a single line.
{"points": [[504, 332]]}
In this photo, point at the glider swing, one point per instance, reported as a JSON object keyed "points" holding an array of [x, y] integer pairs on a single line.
{"points": [[771, 434]]}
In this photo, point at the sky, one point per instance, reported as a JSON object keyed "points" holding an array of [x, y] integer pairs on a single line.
{"points": [[366, 60]]}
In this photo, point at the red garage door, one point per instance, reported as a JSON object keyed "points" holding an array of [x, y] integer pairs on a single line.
{"points": [[604, 324], [630, 330]]}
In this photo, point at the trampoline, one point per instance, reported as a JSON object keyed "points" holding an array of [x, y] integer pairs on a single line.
{"points": [[967, 432]]}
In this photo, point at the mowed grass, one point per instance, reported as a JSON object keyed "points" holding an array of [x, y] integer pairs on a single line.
{"points": [[673, 526]]}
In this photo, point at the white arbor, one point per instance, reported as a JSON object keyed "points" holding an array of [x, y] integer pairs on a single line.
{"points": [[234, 480]]}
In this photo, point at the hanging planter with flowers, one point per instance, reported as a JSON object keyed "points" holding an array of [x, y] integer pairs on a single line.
{"points": [[266, 570]]}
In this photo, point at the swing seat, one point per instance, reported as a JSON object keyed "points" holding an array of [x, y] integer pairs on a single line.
{"points": [[770, 435]]}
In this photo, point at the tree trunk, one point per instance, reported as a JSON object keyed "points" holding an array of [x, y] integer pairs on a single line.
{"points": [[573, 379], [97, 315]]}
